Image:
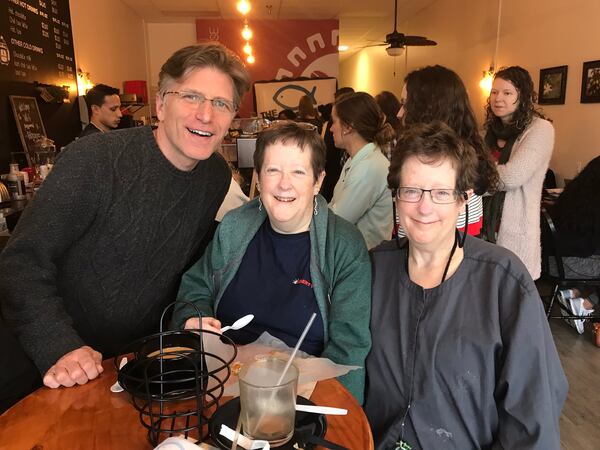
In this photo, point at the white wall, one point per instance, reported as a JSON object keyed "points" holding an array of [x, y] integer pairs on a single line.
{"points": [[108, 38], [534, 34], [163, 40]]}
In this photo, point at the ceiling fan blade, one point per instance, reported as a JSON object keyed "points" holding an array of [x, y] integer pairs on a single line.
{"points": [[374, 45], [418, 40]]}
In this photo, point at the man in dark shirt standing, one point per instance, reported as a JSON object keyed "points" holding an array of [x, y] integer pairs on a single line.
{"points": [[100, 250], [104, 109]]}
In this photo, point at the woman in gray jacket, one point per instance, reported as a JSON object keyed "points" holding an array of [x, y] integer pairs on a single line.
{"points": [[462, 354]]}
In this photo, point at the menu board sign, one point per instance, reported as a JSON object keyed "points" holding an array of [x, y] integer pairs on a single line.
{"points": [[36, 42], [29, 122]]}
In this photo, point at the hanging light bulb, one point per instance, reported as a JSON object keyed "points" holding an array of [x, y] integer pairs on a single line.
{"points": [[250, 59], [243, 6], [247, 33], [247, 49]]}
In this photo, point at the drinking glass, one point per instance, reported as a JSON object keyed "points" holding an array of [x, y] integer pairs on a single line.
{"points": [[268, 409]]}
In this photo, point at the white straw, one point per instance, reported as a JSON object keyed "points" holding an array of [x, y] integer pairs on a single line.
{"points": [[302, 336]]}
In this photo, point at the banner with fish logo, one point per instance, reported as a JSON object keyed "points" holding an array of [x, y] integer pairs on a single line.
{"points": [[274, 96], [284, 49]]}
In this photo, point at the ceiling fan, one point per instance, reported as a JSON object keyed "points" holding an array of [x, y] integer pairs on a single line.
{"points": [[397, 41]]}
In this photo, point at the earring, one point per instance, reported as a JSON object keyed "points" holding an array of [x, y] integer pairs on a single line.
{"points": [[316, 211], [259, 204]]}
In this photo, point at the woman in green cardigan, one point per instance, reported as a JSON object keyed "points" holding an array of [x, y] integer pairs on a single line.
{"points": [[284, 256]]}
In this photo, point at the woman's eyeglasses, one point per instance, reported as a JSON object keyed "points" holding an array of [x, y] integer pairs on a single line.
{"points": [[220, 105], [439, 196]]}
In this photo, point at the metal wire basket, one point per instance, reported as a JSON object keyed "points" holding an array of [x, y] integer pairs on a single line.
{"points": [[174, 382]]}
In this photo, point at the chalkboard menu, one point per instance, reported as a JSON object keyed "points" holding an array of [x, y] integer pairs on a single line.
{"points": [[29, 122], [36, 42]]}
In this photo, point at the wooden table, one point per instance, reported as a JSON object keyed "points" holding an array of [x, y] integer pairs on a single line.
{"points": [[91, 417]]}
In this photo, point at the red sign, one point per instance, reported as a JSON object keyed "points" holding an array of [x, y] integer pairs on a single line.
{"points": [[282, 48]]}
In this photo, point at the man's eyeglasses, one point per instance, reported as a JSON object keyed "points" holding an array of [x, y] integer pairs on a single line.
{"points": [[220, 105], [439, 196]]}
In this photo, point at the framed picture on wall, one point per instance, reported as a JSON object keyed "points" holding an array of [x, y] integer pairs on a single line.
{"points": [[553, 85], [590, 82]]}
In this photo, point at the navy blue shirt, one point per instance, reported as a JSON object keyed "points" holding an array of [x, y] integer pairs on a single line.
{"points": [[274, 283]]}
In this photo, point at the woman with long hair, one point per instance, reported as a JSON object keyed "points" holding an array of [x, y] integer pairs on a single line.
{"points": [[438, 93], [361, 195], [522, 140], [390, 105]]}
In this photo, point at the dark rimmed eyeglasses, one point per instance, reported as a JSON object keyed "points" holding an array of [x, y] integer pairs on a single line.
{"points": [[439, 196], [220, 105]]}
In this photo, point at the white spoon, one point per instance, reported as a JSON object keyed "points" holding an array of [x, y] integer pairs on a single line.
{"points": [[117, 387], [240, 323]]}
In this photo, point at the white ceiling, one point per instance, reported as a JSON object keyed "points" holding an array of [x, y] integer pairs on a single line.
{"points": [[362, 22]]}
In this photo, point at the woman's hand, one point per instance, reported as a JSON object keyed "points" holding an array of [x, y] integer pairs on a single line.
{"points": [[208, 323]]}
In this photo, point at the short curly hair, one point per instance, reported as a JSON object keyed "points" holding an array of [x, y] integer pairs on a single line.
{"points": [[285, 132], [432, 143]]}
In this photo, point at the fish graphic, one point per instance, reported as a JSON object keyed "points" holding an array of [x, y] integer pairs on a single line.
{"points": [[288, 96]]}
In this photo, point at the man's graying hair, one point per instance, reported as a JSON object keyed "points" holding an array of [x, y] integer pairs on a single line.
{"points": [[214, 55]]}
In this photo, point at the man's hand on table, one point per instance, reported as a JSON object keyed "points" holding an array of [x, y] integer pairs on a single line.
{"points": [[208, 323], [76, 367]]}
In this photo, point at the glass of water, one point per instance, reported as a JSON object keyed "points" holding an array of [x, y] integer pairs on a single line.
{"points": [[268, 409]]}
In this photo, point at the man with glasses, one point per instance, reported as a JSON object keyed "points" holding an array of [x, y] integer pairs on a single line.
{"points": [[100, 250]]}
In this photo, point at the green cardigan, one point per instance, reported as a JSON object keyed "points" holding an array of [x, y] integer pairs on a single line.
{"points": [[340, 270]]}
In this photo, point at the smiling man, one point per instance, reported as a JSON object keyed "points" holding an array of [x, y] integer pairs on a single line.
{"points": [[100, 250]]}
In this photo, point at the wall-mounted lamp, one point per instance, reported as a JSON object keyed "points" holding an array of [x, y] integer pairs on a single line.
{"points": [[247, 49], [84, 83], [250, 59], [486, 81]]}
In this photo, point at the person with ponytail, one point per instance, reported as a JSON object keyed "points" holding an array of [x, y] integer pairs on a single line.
{"points": [[522, 140], [462, 356], [361, 195]]}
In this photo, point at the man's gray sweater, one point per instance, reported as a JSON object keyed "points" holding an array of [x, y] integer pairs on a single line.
{"points": [[99, 251]]}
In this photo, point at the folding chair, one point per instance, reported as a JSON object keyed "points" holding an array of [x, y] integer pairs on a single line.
{"points": [[550, 250]]}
